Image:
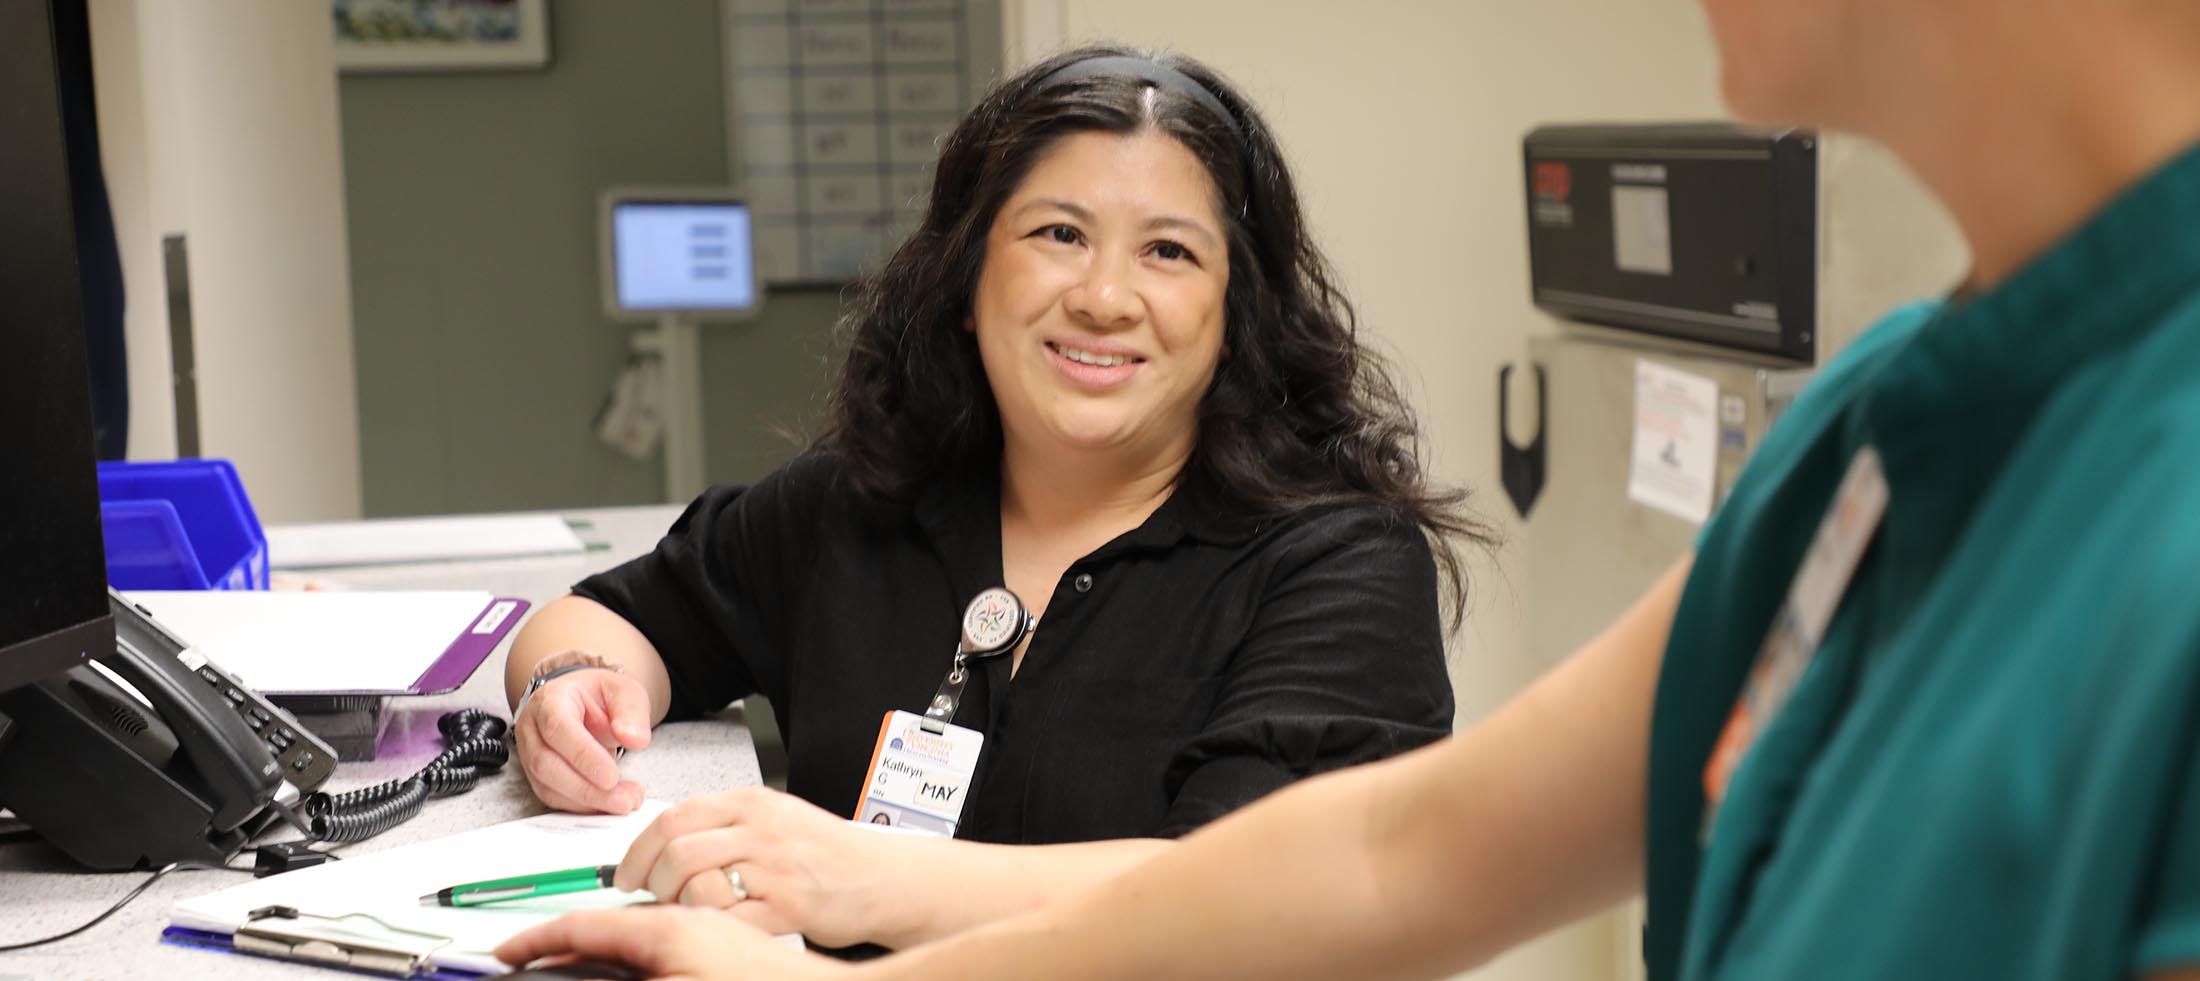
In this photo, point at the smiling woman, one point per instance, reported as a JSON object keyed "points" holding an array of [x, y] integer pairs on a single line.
{"points": [[1109, 373], [1297, 414], [1099, 326]]}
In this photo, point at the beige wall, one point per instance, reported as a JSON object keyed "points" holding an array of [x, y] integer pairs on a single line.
{"points": [[1402, 121], [218, 120]]}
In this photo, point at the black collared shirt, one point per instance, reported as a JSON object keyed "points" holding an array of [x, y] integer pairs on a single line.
{"points": [[1182, 670]]}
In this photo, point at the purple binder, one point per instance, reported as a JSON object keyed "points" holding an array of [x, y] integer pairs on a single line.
{"points": [[471, 648]]}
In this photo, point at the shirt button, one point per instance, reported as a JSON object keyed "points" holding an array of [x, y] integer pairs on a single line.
{"points": [[1083, 582]]}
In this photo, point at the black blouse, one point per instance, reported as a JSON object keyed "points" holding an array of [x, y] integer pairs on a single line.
{"points": [[1182, 670]]}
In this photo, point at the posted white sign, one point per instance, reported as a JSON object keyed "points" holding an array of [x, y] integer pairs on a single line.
{"points": [[1676, 449]]}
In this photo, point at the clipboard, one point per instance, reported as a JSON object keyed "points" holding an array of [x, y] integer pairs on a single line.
{"points": [[384, 963], [364, 914]]}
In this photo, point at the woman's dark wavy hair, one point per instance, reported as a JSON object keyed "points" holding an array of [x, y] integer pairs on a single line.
{"points": [[1300, 415]]}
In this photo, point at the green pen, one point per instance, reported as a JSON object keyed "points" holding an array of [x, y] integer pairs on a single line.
{"points": [[522, 887]]}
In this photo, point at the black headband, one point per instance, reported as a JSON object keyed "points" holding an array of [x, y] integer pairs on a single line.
{"points": [[1152, 73]]}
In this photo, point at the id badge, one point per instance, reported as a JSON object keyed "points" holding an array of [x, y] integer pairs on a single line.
{"points": [[919, 780], [1814, 595]]}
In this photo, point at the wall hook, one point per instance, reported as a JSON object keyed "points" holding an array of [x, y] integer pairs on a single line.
{"points": [[1522, 469]]}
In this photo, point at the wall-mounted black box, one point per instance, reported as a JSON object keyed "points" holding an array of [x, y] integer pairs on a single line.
{"points": [[1701, 231]]}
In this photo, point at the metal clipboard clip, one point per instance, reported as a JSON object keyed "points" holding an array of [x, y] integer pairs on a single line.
{"points": [[284, 933]]}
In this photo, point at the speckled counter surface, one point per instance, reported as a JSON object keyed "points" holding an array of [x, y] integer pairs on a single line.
{"points": [[41, 893]]}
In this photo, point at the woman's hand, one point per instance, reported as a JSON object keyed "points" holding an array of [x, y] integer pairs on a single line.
{"points": [[566, 734], [691, 944], [803, 870]]}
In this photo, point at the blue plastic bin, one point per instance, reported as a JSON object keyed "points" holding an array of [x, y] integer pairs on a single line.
{"points": [[180, 524]]}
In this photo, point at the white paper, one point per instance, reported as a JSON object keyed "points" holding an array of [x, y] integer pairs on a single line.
{"points": [[1642, 237], [294, 643], [388, 885], [633, 417], [401, 540], [1676, 441]]}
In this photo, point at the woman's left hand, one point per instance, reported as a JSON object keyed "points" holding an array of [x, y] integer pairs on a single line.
{"points": [[665, 941], [804, 870]]}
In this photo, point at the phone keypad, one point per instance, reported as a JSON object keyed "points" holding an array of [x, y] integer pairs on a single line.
{"points": [[309, 760]]}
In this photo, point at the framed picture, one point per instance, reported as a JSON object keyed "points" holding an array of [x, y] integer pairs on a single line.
{"points": [[440, 35]]}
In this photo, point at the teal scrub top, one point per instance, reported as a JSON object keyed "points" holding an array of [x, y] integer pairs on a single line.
{"points": [[1989, 768]]}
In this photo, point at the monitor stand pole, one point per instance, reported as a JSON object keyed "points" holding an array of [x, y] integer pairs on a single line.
{"points": [[679, 353]]}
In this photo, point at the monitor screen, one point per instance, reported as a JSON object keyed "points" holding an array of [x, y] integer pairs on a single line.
{"points": [[53, 568], [682, 256]]}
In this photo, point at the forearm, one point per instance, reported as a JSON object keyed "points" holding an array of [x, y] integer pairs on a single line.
{"points": [[1285, 888], [1325, 879], [944, 887], [1415, 867], [577, 623]]}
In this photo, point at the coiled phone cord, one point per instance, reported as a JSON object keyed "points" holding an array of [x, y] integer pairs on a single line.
{"points": [[475, 741]]}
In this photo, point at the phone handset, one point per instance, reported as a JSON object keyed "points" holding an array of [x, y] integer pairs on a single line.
{"points": [[238, 773]]}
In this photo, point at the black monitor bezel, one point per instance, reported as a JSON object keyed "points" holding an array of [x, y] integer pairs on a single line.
{"points": [[45, 388]]}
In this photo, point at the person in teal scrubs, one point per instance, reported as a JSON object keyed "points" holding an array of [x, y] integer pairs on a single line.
{"points": [[1988, 762]]}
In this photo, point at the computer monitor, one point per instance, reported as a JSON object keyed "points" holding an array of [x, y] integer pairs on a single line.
{"points": [[682, 254], [53, 568]]}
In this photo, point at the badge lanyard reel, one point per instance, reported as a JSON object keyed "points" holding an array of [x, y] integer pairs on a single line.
{"points": [[921, 767], [993, 624]]}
